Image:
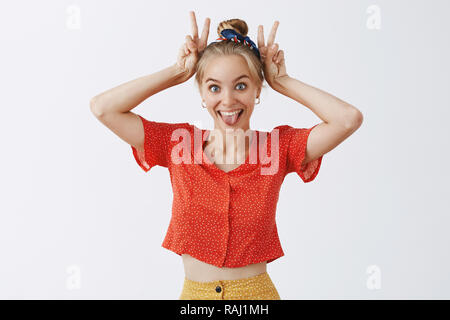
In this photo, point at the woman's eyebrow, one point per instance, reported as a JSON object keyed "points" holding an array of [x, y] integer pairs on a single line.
{"points": [[243, 76]]}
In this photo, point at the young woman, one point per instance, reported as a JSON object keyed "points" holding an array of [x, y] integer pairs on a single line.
{"points": [[223, 214]]}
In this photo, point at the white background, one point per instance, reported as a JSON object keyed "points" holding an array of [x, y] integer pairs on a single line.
{"points": [[80, 220]]}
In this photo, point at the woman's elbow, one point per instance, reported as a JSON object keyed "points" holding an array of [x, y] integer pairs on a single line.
{"points": [[354, 119], [95, 107]]}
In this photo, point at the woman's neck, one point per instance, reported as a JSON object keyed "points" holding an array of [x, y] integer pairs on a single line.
{"points": [[219, 142]]}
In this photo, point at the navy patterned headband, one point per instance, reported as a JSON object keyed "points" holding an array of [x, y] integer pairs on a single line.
{"points": [[230, 34]]}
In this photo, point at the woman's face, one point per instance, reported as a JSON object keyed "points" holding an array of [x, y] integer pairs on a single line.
{"points": [[224, 90]]}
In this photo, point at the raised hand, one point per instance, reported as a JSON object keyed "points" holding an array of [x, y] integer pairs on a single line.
{"points": [[272, 58], [189, 51]]}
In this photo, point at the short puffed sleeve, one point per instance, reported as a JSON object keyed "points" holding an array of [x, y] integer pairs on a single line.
{"points": [[296, 140], [157, 142]]}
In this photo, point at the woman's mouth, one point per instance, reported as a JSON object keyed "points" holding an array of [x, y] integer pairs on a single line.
{"points": [[231, 118]]}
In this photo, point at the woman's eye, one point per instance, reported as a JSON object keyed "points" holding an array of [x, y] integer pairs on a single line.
{"points": [[236, 86], [212, 87], [243, 84]]}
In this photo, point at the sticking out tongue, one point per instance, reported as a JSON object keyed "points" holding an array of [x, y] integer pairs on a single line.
{"points": [[230, 120]]}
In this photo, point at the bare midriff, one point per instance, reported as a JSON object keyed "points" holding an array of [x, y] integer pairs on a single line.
{"points": [[197, 270]]}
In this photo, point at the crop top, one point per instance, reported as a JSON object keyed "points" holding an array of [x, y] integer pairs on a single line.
{"points": [[226, 219]]}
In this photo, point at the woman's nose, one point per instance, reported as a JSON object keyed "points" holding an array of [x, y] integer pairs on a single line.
{"points": [[228, 98]]}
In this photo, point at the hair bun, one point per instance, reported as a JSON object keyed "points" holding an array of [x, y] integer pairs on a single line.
{"points": [[237, 25]]}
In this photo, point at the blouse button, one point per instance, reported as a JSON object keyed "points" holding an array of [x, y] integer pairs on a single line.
{"points": [[218, 289]]}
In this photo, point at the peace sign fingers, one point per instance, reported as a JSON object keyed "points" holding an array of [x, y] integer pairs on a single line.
{"points": [[202, 42], [273, 60], [194, 27], [273, 33], [204, 39], [264, 48], [260, 37]]}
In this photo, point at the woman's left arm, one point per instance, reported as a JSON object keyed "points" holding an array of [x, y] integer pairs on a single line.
{"points": [[327, 107], [340, 119]]}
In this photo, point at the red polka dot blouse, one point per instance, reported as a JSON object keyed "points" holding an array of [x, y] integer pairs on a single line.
{"points": [[226, 219]]}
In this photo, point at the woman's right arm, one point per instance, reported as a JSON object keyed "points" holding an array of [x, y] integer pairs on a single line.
{"points": [[113, 107]]}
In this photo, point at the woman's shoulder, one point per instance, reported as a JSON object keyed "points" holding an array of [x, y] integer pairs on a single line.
{"points": [[283, 127], [282, 130]]}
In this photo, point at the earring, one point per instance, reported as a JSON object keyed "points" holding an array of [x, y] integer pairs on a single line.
{"points": [[258, 101]]}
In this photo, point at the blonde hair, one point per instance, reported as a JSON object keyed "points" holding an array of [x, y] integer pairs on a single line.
{"points": [[225, 48]]}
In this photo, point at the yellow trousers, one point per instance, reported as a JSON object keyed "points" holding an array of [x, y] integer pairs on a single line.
{"points": [[259, 287]]}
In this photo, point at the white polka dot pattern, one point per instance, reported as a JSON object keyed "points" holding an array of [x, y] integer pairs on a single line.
{"points": [[296, 153], [226, 219], [259, 287]]}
